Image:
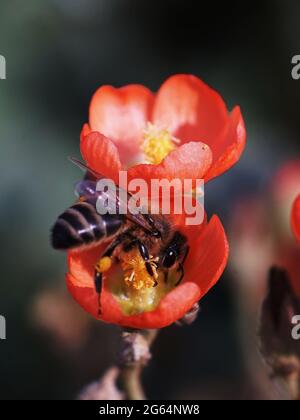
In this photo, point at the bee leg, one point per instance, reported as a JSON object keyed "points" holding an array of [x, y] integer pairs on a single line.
{"points": [[143, 251], [151, 273], [98, 281], [103, 265], [146, 257]]}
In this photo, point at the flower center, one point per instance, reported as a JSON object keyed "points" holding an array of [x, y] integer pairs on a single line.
{"points": [[157, 144], [135, 270], [134, 288]]}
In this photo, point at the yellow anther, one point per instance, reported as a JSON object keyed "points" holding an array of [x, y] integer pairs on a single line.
{"points": [[136, 275], [158, 143], [104, 265]]}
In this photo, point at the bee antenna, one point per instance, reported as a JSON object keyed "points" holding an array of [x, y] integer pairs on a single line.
{"points": [[85, 168], [77, 162]]}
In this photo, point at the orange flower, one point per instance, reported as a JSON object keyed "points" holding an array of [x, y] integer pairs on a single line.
{"points": [[185, 108], [185, 132], [296, 218]]}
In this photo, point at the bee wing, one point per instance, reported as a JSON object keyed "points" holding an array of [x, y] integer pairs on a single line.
{"points": [[88, 189], [85, 188]]}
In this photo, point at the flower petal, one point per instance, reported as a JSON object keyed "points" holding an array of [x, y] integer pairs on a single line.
{"points": [[122, 115], [209, 256], [177, 305], [207, 262], [229, 146], [190, 161], [190, 109], [296, 219], [81, 265], [100, 154], [80, 282]]}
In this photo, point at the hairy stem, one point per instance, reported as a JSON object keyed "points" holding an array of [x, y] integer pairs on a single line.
{"points": [[134, 357]]}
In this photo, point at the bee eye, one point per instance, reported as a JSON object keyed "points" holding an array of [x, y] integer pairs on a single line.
{"points": [[169, 259]]}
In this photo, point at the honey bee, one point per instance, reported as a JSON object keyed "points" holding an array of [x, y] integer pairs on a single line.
{"points": [[144, 244]]}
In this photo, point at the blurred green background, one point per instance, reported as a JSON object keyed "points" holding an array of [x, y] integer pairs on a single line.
{"points": [[58, 53]]}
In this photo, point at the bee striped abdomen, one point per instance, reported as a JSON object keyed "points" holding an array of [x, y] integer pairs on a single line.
{"points": [[81, 225]]}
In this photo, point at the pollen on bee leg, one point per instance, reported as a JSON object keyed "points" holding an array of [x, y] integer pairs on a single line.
{"points": [[103, 265], [158, 143]]}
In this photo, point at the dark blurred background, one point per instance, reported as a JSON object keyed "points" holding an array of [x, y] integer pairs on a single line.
{"points": [[58, 53]]}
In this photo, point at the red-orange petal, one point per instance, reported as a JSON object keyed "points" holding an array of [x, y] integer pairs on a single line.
{"points": [[122, 115], [204, 268], [100, 153], [190, 161], [190, 109], [296, 218], [229, 146], [209, 253]]}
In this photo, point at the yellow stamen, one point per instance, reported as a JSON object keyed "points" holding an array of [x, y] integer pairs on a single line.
{"points": [[158, 143], [133, 287], [136, 275]]}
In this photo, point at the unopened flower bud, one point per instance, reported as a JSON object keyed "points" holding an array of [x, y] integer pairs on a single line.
{"points": [[278, 346]]}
